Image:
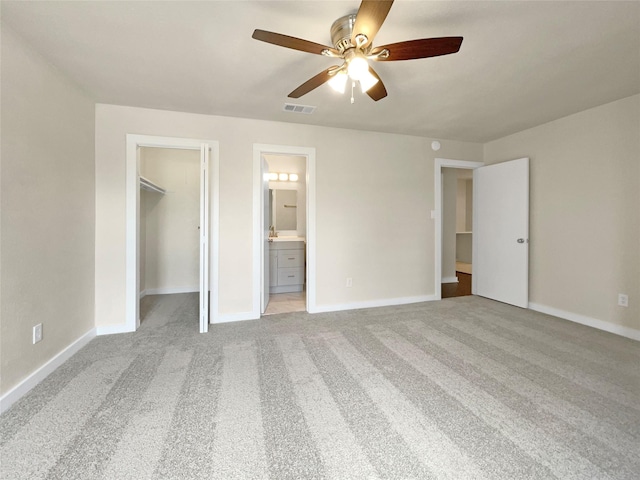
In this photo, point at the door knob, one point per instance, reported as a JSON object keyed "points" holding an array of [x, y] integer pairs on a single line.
{"points": [[521, 240]]}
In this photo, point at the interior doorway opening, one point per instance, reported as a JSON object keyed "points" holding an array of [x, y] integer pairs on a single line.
{"points": [[500, 227], [207, 225], [446, 251], [286, 215], [457, 232], [169, 224], [284, 232]]}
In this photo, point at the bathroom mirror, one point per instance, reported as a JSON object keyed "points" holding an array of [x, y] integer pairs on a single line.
{"points": [[283, 211]]}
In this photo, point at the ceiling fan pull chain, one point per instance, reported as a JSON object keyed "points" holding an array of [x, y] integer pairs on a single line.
{"points": [[353, 85]]}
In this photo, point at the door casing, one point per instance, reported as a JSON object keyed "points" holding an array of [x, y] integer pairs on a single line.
{"points": [[258, 221], [441, 163], [132, 234]]}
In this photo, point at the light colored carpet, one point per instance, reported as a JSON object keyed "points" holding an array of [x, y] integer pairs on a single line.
{"points": [[465, 388]]}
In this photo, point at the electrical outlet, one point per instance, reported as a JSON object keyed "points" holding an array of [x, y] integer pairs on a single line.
{"points": [[37, 333], [349, 282], [623, 300]]}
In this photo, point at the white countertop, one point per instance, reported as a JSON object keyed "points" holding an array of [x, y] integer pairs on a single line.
{"points": [[287, 239]]}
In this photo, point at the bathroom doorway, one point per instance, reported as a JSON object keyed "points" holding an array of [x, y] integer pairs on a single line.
{"points": [[287, 220], [284, 232]]}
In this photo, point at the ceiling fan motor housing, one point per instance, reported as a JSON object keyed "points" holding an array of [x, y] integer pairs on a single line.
{"points": [[341, 32]]}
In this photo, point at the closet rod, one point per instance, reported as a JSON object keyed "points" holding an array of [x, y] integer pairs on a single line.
{"points": [[150, 186]]}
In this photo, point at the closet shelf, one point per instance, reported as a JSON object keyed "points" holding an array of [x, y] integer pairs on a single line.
{"points": [[150, 186]]}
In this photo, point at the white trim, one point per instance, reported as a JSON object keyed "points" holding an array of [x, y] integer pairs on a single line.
{"points": [[133, 213], [623, 331], [169, 290], [310, 237], [449, 279], [387, 302], [236, 317], [439, 164], [205, 245], [214, 226], [17, 392], [111, 329]]}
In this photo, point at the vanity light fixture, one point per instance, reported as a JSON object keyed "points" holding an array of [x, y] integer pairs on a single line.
{"points": [[283, 177]]}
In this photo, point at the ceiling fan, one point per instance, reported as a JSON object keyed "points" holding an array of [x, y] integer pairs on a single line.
{"points": [[352, 37]]}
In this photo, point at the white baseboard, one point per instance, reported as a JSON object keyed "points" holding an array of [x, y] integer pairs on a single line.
{"points": [[623, 331], [387, 302], [235, 317], [169, 290], [17, 392], [450, 280], [111, 329]]}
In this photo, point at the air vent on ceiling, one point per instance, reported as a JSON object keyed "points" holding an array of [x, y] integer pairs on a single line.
{"points": [[290, 107]]}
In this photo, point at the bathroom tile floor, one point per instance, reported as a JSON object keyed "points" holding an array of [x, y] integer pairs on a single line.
{"points": [[286, 302]]}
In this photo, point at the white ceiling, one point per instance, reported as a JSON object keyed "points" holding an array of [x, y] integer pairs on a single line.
{"points": [[521, 64]]}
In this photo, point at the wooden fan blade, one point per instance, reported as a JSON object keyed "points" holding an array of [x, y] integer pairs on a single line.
{"points": [[423, 48], [313, 83], [292, 42], [378, 91], [369, 19]]}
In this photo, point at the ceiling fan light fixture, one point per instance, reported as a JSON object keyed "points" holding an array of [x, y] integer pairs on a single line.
{"points": [[352, 37], [358, 67], [339, 82], [367, 81]]}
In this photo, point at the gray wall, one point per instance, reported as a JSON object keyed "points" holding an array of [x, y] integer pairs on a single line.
{"points": [[374, 194], [48, 211], [585, 215]]}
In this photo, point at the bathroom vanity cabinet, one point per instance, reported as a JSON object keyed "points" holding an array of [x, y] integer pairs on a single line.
{"points": [[286, 266]]}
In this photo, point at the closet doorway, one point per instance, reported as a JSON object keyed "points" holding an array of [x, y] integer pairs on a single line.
{"points": [[169, 248], [181, 211]]}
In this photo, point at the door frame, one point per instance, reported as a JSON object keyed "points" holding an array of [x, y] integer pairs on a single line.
{"points": [[309, 153], [266, 245], [132, 231], [441, 163]]}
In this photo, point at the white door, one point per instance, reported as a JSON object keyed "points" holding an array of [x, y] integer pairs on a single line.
{"points": [[501, 232], [204, 238], [266, 207]]}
